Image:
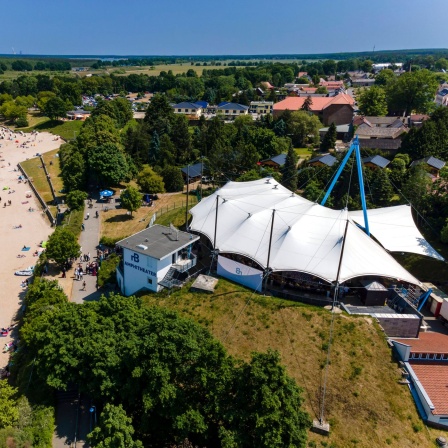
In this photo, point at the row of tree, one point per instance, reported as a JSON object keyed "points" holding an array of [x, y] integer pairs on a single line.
{"points": [[156, 378]]}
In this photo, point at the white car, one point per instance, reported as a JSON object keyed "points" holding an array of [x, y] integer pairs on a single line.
{"points": [[26, 272]]}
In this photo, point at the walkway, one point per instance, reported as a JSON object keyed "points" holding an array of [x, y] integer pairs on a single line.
{"points": [[88, 241]]}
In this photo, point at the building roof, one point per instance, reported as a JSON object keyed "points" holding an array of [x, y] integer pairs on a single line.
{"points": [[388, 144], [376, 160], [201, 103], [187, 105], [306, 237], [279, 159], [232, 106], [378, 121], [157, 241], [326, 159], [193, 170], [434, 379], [364, 130], [318, 104], [431, 161], [428, 342], [340, 128]]}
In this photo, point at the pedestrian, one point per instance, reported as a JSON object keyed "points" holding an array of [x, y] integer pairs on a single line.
{"points": [[63, 272], [84, 285], [80, 274], [88, 214], [83, 227]]}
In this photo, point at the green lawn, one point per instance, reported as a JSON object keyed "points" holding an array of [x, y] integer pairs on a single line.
{"points": [[303, 153], [65, 129], [34, 170]]}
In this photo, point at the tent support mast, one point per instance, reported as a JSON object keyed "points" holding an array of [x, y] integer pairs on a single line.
{"points": [[269, 249], [335, 297], [353, 147], [216, 222]]}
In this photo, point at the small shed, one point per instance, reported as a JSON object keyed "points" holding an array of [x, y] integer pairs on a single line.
{"points": [[325, 160], [275, 162], [375, 162], [373, 293]]}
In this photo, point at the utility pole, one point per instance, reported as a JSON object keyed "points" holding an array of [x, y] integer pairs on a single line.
{"points": [[188, 193]]}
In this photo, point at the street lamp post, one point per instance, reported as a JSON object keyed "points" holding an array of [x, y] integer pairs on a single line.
{"points": [[92, 411]]}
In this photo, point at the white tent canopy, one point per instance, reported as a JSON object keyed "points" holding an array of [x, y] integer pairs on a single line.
{"points": [[395, 229], [306, 237]]}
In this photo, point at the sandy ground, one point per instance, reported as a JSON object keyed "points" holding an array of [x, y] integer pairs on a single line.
{"points": [[35, 226]]}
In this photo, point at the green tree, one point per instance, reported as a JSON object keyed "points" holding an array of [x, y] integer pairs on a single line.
{"points": [[149, 181], [307, 104], [329, 140], [131, 199], [444, 233], [372, 102], [268, 406], [412, 92], [75, 199], [322, 90], [154, 149], [381, 188], [62, 245], [108, 164], [12, 112], [441, 64], [249, 175], [9, 413], [303, 128], [73, 171], [180, 136], [289, 170], [55, 108], [385, 77], [172, 178], [159, 115], [115, 429]]}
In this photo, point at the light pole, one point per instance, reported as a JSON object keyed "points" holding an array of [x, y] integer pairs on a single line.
{"points": [[92, 411]]}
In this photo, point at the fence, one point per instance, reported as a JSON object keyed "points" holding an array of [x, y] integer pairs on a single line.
{"points": [[44, 205], [49, 180]]}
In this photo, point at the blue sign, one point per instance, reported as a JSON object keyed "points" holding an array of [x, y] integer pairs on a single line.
{"points": [[92, 409]]}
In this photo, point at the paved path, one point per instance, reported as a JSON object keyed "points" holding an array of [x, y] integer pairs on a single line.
{"points": [[88, 241]]}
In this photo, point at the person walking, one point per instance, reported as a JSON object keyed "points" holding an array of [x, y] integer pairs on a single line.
{"points": [[84, 285]]}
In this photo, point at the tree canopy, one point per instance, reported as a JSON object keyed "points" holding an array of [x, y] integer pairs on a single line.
{"points": [[62, 245], [131, 199], [372, 102], [167, 373]]}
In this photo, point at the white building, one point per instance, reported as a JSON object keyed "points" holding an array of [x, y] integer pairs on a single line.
{"points": [[154, 258], [261, 107]]}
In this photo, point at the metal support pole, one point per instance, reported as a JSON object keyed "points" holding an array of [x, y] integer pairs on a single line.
{"points": [[361, 185], [188, 193], [216, 222], [338, 173], [335, 297], [269, 248]]}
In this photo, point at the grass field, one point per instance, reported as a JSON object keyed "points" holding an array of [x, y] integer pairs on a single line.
{"points": [[365, 405], [33, 168], [115, 223], [65, 129], [303, 153]]}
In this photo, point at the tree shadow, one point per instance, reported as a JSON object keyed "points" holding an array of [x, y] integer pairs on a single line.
{"points": [[48, 125], [120, 218]]}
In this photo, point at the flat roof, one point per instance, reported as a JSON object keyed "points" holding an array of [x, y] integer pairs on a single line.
{"points": [[158, 241]]}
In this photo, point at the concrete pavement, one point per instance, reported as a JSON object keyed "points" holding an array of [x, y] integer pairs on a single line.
{"points": [[88, 241]]}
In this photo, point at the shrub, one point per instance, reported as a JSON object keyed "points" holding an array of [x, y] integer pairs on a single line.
{"points": [[22, 122], [75, 199], [107, 272]]}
